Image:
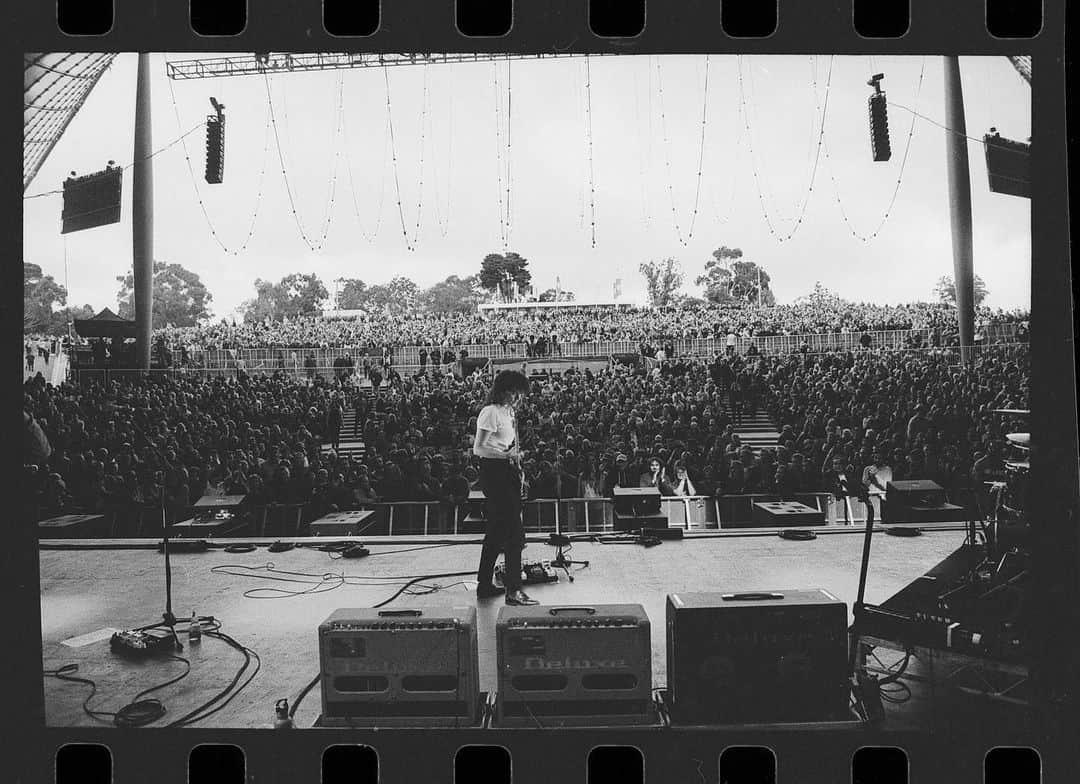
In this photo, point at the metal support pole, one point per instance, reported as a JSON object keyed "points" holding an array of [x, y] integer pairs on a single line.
{"points": [[956, 154], [142, 216]]}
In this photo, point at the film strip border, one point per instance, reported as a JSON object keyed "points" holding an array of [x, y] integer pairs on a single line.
{"points": [[607, 18], [957, 27], [565, 25], [589, 757]]}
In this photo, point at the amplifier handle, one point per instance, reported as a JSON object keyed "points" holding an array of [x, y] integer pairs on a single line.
{"points": [[586, 610], [750, 597], [398, 613]]}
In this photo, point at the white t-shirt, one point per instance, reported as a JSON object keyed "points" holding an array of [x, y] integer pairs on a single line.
{"points": [[500, 421]]}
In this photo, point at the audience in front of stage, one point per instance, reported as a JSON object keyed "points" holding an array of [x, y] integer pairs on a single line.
{"points": [[271, 437]]}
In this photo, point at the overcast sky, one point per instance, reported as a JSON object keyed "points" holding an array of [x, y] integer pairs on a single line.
{"points": [[642, 163]]}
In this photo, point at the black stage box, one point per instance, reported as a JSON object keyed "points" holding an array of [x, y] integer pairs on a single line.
{"points": [[918, 501], [573, 666], [785, 513], [761, 657]]}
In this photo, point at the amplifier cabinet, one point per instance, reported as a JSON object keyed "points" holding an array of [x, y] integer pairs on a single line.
{"points": [[749, 658], [403, 667], [573, 666]]}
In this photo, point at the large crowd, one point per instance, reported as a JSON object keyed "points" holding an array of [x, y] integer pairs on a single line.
{"points": [[412, 327], [135, 440]]}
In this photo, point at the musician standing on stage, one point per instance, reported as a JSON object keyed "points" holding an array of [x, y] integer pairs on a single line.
{"points": [[500, 478]]}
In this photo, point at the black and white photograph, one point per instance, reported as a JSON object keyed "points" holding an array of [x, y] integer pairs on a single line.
{"points": [[530, 391]]}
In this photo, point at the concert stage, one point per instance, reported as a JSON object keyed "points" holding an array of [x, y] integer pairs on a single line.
{"points": [[90, 586]]}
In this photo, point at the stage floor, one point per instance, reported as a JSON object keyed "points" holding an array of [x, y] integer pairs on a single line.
{"points": [[87, 590]]}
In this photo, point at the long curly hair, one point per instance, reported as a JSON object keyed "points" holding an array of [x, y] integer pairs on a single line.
{"points": [[506, 384]]}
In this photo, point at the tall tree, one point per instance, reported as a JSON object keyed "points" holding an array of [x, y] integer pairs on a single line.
{"points": [[662, 280], [498, 271], [351, 294], [40, 293], [945, 290], [292, 296], [453, 295], [398, 292], [747, 277], [718, 275], [179, 296], [731, 278]]}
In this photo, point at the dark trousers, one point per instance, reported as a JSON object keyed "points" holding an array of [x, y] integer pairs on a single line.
{"points": [[501, 483]]}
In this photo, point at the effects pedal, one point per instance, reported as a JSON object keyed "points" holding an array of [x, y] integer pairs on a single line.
{"points": [[532, 573], [135, 644]]}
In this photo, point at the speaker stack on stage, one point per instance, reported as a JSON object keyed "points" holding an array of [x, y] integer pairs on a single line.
{"points": [[756, 658], [638, 508], [414, 667], [918, 501], [573, 666]]}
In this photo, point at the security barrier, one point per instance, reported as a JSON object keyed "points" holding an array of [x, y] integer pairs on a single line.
{"points": [[292, 359]]}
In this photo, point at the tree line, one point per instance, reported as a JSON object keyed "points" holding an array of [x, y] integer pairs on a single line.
{"points": [[182, 299]]}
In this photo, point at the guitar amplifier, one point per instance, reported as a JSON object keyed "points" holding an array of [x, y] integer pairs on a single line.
{"points": [[752, 658], [573, 666], [407, 667]]}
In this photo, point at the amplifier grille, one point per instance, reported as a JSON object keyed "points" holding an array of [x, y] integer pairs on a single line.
{"points": [[395, 709], [518, 708]]}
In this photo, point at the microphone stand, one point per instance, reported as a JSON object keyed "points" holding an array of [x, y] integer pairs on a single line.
{"points": [[168, 620], [560, 561]]}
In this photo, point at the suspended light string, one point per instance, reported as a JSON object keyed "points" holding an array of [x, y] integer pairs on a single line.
{"points": [[198, 194], [641, 149], [813, 173], [423, 138], [444, 225], [352, 183], [509, 156], [667, 153], [393, 157], [314, 245], [867, 238], [733, 170], [498, 158], [589, 144]]}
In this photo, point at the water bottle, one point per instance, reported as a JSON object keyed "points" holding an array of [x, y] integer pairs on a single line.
{"points": [[194, 630]]}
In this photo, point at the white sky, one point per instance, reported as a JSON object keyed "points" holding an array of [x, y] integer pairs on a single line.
{"points": [[459, 216]]}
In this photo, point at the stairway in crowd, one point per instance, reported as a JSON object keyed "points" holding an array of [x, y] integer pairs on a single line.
{"points": [[758, 432], [350, 445]]}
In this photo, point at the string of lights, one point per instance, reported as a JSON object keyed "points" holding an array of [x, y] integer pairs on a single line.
{"points": [[316, 245], [423, 137], [667, 153], [641, 152], [871, 236], [498, 158], [781, 238], [509, 156], [444, 225], [393, 158], [198, 193], [589, 144], [352, 183]]}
